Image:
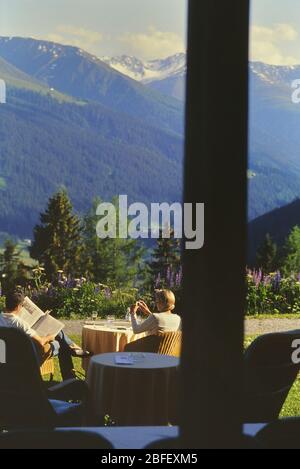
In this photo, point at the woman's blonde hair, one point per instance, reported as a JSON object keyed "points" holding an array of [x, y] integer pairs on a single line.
{"points": [[166, 298]]}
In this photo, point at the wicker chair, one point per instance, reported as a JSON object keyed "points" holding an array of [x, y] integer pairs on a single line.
{"points": [[170, 343], [47, 368], [165, 343]]}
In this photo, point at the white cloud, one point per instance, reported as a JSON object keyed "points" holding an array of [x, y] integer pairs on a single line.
{"points": [[77, 36], [153, 43], [269, 44], [55, 38]]}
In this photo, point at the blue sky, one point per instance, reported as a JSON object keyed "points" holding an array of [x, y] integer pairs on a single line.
{"points": [[275, 31], [145, 28]]}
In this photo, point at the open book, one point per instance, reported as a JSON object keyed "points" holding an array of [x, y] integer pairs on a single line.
{"points": [[42, 323]]}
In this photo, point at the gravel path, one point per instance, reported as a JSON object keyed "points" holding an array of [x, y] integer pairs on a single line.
{"points": [[253, 326], [73, 327], [263, 326]]}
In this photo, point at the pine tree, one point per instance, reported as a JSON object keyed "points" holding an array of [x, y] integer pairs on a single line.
{"points": [[290, 262], [165, 258], [266, 257], [112, 261], [13, 271], [57, 240]]}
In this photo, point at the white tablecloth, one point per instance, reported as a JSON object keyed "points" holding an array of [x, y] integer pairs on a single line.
{"points": [[107, 338], [144, 393]]}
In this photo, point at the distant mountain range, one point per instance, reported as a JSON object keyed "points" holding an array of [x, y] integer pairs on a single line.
{"points": [[274, 143], [72, 121], [274, 124], [72, 71], [102, 126]]}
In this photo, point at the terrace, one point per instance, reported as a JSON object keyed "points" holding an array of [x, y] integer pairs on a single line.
{"points": [[211, 407]]}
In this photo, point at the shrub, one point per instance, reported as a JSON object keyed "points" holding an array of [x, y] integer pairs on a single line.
{"points": [[2, 303], [81, 299], [272, 293]]}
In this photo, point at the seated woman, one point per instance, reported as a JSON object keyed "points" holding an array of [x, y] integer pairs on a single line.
{"points": [[162, 321]]}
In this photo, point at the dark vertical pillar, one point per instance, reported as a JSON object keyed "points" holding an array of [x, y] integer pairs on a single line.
{"points": [[216, 174]]}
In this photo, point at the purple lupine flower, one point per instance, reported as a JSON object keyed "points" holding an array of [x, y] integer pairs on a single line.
{"points": [[107, 293], [179, 278], [257, 277], [171, 282], [277, 280], [70, 283], [266, 280], [168, 275], [158, 281]]}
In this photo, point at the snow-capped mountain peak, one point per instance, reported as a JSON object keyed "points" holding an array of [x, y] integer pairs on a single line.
{"points": [[275, 74], [148, 71]]}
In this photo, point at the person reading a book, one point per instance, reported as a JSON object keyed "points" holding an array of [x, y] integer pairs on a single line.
{"points": [[164, 320], [51, 345]]}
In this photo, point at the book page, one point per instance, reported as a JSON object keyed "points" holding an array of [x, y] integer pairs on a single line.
{"points": [[47, 325], [30, 313]]}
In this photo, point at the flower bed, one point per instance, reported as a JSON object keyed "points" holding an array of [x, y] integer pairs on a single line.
{"points": [[272, 293]]}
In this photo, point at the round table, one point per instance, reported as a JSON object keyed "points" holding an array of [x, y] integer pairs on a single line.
{"points": [[105, 338], [143, 393]]}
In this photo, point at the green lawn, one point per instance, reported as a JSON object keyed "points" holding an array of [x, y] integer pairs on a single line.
{"points": [[290, 408], [273, 316]]}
